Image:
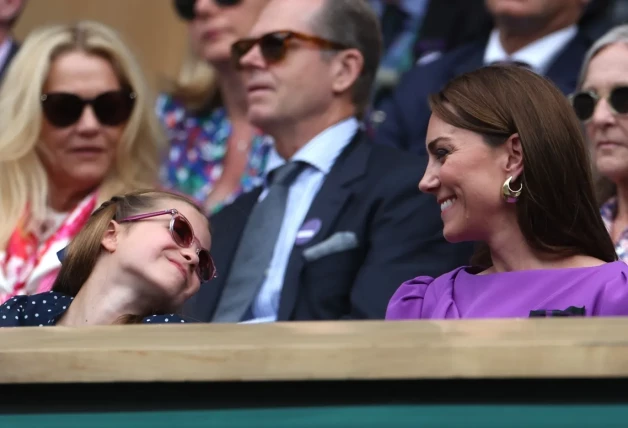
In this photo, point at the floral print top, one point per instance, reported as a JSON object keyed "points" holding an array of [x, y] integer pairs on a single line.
{"points": [[608, 211], [198, 145]]}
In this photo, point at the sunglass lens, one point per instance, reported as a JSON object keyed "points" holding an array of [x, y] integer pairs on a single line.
{"points": [[240, 48], [114, 108], [619, 99], [583, 105], [62, 110], [185, 9], [182, 232], [227, 2], [206, 267], [273, 46]]}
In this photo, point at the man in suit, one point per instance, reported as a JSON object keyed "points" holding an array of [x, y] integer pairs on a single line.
{"points": [[346, 223], [9, 13], [542, 34]]}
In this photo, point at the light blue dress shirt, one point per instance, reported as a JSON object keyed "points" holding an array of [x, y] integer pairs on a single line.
{"points": [[320, 153]]}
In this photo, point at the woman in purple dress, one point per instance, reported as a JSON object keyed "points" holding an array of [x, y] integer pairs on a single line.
{"points": [[509, 166]]}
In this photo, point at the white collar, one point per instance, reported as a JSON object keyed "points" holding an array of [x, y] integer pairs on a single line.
{"points": [[538, 54], [322, 150]]}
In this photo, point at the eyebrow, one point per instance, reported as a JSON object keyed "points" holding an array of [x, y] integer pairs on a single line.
{"points": [[431, 146]]}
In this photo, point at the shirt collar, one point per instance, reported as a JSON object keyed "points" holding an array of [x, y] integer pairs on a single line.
{"points": [[538, 54], [321, 151]]}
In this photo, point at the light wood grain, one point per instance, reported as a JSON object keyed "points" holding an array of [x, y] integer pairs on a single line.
{"points": [[323, 350]]}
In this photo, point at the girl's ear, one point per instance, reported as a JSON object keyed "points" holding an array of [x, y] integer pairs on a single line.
{"points": [[110, 238]]}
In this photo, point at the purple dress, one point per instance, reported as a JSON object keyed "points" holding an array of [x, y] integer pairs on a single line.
{"points": [[600, 290]]}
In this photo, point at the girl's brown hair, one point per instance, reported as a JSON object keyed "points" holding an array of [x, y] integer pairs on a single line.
{"points": [[84, 251]]}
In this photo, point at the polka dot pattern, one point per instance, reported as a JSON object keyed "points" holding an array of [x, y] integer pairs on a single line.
{"points": [[42, 310]]}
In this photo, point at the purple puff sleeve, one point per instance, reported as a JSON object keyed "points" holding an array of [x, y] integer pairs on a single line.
{"points": [[613, 300], [407, 302]]}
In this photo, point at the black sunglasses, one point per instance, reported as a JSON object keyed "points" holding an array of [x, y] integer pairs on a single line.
{"points": [[185, 8], [584, 102], [111, 108], [274, 46]]}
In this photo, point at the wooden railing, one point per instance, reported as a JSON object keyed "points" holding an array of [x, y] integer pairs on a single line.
{"points": [[571, 347]]}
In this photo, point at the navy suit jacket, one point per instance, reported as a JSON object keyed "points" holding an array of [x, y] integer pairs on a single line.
{"points": [[371, 191], [407, 112], [12, 52]]}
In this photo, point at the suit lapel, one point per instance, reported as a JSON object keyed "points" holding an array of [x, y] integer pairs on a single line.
{"points": [[564, 68], [333, 196], [226, 227], [474, 61]]}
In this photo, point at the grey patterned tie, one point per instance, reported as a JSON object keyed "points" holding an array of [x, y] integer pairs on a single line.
{"points": [[255, 251]]}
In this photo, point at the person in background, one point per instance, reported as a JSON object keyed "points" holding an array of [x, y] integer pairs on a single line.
{"points": [[138, 258], [215, 153], [10, 11], [400, 23], [77, 125], [601, 103], [542, 34], [339, 221], [509, 166]]}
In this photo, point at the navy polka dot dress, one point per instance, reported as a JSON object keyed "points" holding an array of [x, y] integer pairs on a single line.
{"points": [[46, 308]]}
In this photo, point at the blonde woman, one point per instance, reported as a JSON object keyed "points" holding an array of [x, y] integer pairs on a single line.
{"points": [[215, 153], [76, 127]]}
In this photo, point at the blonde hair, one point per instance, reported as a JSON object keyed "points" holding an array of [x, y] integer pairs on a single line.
{"points": [[196, 85], [23, 179]]}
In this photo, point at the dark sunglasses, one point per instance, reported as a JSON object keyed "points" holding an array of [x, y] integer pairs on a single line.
{"points": [[584, 102], [185, 8], [183, 234], [274, 46], [111, 108]]}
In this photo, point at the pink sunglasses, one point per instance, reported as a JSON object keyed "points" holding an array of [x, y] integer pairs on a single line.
{"points": [[183, 234]]}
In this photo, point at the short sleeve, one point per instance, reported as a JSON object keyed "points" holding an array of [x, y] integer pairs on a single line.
{"points": [[11, 312], [613, 301], [407, 302], [165, 319], [32, 311]]}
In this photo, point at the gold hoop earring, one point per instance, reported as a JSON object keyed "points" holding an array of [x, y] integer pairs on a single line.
{"points": [[510, 195]]}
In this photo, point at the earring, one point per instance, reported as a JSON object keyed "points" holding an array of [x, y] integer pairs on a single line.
{"points": [[510, 195]]}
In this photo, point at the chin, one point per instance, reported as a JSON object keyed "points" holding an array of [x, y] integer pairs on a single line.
{"points": [[455, 235]]}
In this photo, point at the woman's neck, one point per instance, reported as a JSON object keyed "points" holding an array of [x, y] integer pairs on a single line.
{"points": [[63, 199], [103, 300], [622, 202], [510, 252], [233, 93]]}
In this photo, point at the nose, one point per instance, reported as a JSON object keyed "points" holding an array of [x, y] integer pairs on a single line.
{"points": [[204, 8], [602, 114], [430, 181], [190, 255], [88, 122], [253, 58]]}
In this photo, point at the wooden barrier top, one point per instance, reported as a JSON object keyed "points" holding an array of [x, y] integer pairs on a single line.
{"points": [[514, 348]]}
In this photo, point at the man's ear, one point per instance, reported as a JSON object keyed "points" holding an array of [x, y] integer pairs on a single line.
{"points": [[347, 66], [514, 151], [110, 238]]}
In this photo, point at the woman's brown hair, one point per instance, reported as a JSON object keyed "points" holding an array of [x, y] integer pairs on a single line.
{"points": [[84, 251], [557, 210]]}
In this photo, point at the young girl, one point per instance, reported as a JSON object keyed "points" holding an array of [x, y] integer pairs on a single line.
{"points": [[138, 259]]}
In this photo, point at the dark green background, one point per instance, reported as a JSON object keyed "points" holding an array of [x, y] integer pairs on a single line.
{"points": [[415, 416]]}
